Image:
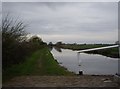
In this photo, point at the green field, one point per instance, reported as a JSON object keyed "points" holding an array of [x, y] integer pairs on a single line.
{"points": [[81, 46], [39, 63]]}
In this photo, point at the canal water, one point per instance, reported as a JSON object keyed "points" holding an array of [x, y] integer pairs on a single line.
{"points": [[93, 64]]}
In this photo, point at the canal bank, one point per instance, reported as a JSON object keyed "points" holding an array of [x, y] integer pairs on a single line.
{"points": [[39, 63], [113, 52]]}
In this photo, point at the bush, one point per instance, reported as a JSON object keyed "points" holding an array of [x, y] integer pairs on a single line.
{"points": [[15, 48]]}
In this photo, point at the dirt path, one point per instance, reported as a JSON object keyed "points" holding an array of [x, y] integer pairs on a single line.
{"points": [[61, 81]]}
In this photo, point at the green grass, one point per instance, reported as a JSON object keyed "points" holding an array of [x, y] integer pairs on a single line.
{"points": [[48, 65], [39, 63]]}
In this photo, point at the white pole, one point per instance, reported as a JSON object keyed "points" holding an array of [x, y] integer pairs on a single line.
{"points": [[79, 64]]}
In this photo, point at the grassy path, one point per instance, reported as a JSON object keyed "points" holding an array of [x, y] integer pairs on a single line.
{"points": [[47, 65], [39, 63]]}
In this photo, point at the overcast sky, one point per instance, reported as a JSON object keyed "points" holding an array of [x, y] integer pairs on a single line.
{"points": [[82, 22], [60, 0]]}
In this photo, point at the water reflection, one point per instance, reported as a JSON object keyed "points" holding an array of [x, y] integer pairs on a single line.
{"points": [[50, 47], [87, 63], [57, 48], [79, 64]]}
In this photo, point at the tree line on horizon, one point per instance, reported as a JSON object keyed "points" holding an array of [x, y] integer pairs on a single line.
{"points": [[61, 43]]}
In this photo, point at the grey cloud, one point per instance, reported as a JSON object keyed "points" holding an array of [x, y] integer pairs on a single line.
{"points": [[61, 18]]}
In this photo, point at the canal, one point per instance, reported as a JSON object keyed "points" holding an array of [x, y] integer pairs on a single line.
{"points": [[93, 64]]}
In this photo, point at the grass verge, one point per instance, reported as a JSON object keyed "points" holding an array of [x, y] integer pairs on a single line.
{"points": [[39, 63]]}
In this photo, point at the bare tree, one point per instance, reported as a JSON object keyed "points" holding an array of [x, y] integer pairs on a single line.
{"points": [[13, 31], [12, 28]]}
